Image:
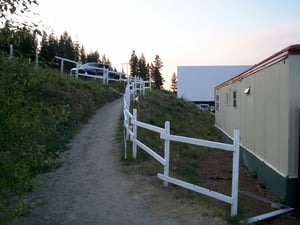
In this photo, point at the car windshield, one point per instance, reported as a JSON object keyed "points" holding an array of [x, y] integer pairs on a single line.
{"points": [[99, 65]]}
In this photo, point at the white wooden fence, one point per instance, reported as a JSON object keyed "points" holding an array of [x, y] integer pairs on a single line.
{"points": [[134, 87], [131, 123]]}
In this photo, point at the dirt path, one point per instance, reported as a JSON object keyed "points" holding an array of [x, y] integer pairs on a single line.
{"points": [[90, 187]]}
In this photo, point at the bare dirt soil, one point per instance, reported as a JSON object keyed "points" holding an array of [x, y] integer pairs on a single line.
{"points": [[92, 187], [254, 198]]}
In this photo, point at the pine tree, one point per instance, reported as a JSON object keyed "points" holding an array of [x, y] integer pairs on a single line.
{"points": [[66, 46], [49, 49], [76, 52], [143, 70], [26, 45], [66, 49], [53, 47], [173, 86], [156, 76], [148, 76], [5, 37], [93, 57], [133, 63], [44, 46], [22, 39], [105, 60], [82, 55]]}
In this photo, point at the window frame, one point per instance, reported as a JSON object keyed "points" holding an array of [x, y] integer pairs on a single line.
{"points": [[217, 102], [227, 99], [234, 98]]}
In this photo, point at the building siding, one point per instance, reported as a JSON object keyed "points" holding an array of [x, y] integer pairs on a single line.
{"points": [[268, 119], [294, 123], [261, 116]]}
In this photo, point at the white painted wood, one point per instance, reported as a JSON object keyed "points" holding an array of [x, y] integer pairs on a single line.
{"points": [[199, 142], [148, 126], [196, 188], [167, 137], [151, 152], [134, 136], [167, 152], [235, 173], [266, 216]]}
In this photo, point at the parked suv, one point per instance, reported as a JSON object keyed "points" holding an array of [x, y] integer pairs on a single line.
{"points": [[94, 68], [204, 107]]}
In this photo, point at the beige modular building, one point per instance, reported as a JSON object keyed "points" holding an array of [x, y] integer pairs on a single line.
{"points": [[264, 103]]}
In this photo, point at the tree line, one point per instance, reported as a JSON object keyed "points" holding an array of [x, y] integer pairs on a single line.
{"points": [[24, 38], [139, 67], [25, 41]]}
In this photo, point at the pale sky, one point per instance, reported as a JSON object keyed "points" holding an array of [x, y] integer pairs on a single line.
{"points": [[181, 32]]}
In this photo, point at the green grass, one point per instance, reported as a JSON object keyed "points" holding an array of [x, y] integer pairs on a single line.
{"points": [[186, 119], [40, 111]]}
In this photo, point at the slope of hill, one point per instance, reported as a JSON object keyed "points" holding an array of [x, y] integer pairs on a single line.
{"points": [[40, 110]]}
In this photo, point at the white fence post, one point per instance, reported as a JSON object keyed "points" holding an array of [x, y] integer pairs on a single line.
{"points": [[134, 130], [144, 88], [107, 76], [104, 76], [134, 88], [167, 152], [62, 66], [235, 172], [127, 97], [127, 108], [11, 51], [77, 68], [36, 57]]}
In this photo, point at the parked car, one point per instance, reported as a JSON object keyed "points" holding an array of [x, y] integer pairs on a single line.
{"points": [[212, 109], [204, 107], [91, 68], [94, 68]]}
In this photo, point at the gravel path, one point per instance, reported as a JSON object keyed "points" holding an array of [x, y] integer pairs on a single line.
{"points": [[90, 187]]}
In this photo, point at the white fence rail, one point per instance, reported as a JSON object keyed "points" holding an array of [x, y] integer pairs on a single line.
{"points": [[105, 77], [131, 124]]}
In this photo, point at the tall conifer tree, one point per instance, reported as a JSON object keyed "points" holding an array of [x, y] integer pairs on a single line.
{"points": [[133, 63], [173, 86], [156, 76], [143, 70]]}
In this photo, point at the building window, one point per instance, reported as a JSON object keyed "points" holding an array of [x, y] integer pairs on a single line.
{"points": [[217, 102], [227, 99], [234, 99]]}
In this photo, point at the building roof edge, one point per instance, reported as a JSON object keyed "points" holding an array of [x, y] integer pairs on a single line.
{"points": [[281, 55]]}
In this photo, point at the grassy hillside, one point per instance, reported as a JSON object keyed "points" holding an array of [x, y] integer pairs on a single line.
{"points": [[186, 119], [209, 168], [40, 110]]}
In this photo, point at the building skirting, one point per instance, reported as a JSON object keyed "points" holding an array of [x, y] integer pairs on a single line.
{"points": [[283, 187]]}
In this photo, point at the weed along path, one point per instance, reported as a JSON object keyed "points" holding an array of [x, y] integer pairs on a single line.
{"points": [[90, 187]]}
